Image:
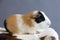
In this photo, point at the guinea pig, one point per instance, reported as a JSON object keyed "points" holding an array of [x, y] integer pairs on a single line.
{"points": [[26, 23]]}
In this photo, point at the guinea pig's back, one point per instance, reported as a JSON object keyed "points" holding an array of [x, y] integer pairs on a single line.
{"points": [[11, 23]]}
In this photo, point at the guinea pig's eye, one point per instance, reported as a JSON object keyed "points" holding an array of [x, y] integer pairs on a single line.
{"points": [[38, 15]]}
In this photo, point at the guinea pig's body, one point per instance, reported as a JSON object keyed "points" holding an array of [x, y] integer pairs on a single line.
{"points": [[19, 24], [27, 23]]}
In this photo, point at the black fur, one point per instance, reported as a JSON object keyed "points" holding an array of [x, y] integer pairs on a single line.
{"points": [[5, 25], [40, 18]]}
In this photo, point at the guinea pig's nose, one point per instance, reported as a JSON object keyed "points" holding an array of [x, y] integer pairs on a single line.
{"points": [[48, 23]]}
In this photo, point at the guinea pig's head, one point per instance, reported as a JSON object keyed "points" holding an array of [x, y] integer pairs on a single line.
{"points": [[41, 20]]}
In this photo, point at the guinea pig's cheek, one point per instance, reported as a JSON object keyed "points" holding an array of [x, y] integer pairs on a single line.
{"points": [[44, 25]]}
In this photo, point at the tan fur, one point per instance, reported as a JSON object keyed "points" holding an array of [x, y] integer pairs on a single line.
{"points": [[27, 19], [12, 24]]}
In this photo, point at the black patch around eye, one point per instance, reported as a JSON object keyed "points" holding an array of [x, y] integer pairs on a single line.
{"points": [[40, 18]]}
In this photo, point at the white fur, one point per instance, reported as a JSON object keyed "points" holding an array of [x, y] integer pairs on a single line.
{"points": [[35, 12], [22, 27], [27, 37], [44, 29], [19, 23], [48, 32], [43, 24], [43, 32], [2, 30]]}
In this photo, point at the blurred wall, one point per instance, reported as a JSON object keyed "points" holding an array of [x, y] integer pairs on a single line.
{"points": [[50, 7]]}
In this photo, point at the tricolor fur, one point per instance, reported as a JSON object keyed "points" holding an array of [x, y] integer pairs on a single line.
{"points": [[31, 23], [27, 23]]}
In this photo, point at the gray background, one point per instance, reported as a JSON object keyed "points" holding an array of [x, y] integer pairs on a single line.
{"points": [[50, 7]]}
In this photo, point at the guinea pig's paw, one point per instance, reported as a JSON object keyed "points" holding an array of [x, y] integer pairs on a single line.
{"points": [[3, 30], [51, 38], [48, 38]]}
